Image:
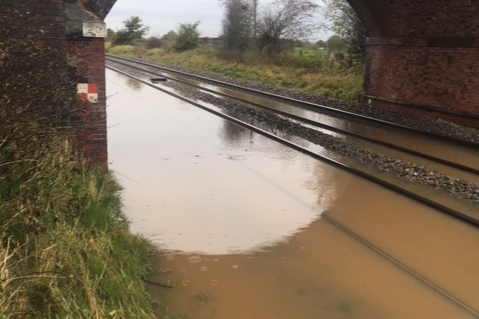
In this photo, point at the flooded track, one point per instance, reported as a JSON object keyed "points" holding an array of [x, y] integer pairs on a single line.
{"points": [[370, 132], [448, 164], [252, 229]]}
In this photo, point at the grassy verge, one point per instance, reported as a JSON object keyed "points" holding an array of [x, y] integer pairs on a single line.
{"points": [[320, 75], [65, 247], [66, 251]]}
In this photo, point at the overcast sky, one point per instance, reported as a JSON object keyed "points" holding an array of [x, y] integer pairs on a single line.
{"points": [[165, 15]]}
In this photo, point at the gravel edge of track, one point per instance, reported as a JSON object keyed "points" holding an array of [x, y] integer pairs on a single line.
{"points": [[408, 171]]}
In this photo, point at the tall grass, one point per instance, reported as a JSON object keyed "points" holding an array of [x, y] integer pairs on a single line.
{"points": [[65, 248], [312, 73], [66, 251], [120, 49]]}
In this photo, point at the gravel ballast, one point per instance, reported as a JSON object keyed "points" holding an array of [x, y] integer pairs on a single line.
{"points": [[407, 171]]}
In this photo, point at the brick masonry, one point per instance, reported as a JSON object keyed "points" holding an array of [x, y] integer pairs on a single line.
{"points": [[86, 66], [44, 19], [423, 57], [59, 24]]}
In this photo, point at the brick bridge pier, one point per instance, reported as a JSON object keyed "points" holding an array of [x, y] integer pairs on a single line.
{"points": [[85, 52], [423, 57], [76, 29]]}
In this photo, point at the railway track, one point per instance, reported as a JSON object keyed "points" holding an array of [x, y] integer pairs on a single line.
{"points": [[337, 131], [297, 130], [183, 77]]}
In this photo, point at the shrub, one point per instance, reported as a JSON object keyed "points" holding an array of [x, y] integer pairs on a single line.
{"points": [[122, 50], [188, 37], [153, 43]]}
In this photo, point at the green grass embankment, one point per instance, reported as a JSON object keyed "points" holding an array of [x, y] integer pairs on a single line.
{"points": [[316, 74], [66, 249]]}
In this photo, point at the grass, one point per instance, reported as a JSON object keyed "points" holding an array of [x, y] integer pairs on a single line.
{"points": [[66, 250], [65, 246], [313, 72]]}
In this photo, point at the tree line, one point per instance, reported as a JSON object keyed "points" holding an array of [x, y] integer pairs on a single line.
{"points": [[270, 29]]}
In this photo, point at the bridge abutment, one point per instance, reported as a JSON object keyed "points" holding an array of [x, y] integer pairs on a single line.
{"points": [[423, 57], [85, 51], [420, 76], [86, 66], [73, 33]]}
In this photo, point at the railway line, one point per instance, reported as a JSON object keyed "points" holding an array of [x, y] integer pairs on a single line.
{"points": [[461, 153], [419, 241], [189, 79], [339, 131]]}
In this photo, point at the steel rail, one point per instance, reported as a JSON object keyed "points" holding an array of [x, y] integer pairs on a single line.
{"points": [[461, 215], [318, 124], [474, 221], [399, 264], [316, 107]]}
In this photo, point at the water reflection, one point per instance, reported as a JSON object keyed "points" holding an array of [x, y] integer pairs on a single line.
{"points": [[324, 271], [321, 272], [261, 124], [241, 216], [234, 135], [134, 84], [196, 183]]}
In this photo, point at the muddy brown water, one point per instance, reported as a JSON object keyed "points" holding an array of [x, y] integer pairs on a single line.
{"points": [[250, 229]]}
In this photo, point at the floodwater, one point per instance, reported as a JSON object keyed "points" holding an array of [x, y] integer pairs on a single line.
{"points": [[250, 229], [447, 151]]}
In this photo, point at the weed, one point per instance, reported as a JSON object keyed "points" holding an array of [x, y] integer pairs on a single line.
{"points": [[68, 252], [65, 248], [121, 50], [312, 71]]}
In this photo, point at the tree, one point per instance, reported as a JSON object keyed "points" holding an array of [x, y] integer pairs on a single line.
{"points": [[287, 20], [133, 30], [169, 39], [153, 43], [110, 35], [347, 25], [321, 44], [188, 37], [238, 24], [335, 44]]}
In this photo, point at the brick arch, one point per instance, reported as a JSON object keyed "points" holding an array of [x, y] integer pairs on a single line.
{"points": [[367, 15], [99, 7], [423, 57]]}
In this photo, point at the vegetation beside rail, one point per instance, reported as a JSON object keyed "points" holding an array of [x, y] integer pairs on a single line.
{"points": [[312, 71], [65, 247], [268, 43]]}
